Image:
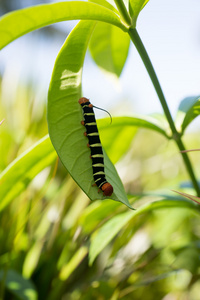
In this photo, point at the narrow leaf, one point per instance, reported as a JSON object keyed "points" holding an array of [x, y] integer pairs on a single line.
{"points": [[109, 230], [16, 177], [107, 233], [191, 197], [65, 115], [188, 110], [20, 22], [69, 267], [138, 121], [135, 6]]}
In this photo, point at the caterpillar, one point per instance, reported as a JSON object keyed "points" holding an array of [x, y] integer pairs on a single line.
{"points": [[95, 147]]}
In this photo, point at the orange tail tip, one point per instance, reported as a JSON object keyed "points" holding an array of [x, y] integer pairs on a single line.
{"points": [[107, 189], [83, 100]]}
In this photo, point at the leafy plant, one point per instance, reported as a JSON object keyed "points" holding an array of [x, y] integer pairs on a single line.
{"points": [[34, 247]]}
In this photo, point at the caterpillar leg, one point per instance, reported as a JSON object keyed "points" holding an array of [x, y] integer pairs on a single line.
{"points": [[83, 123]]}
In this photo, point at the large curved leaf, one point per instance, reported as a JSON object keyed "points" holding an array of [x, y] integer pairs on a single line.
{"points": [[20, 22], [15, 178], [65, 115], [188, 110]]}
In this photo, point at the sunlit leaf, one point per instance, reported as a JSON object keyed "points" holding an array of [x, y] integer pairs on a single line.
{"points": [[108, 50], [16, 177], [20, 287], [135, 6], [107, 233], [101, 238], [147, 122], [20, 22], [65, 115], [32, 258], [69, 267], [188, 110]]}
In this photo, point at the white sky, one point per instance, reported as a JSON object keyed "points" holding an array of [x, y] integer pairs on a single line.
{"points": [[170, 30]]}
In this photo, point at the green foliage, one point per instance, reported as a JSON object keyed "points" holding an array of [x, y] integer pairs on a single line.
{"points": [[135, 6], [188, 110], [20, 22], [55, 243]]}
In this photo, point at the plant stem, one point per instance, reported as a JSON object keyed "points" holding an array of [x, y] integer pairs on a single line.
{"points": [[175, 134], [123, 11]]}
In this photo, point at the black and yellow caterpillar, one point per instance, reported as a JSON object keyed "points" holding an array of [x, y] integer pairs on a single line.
{"points": [[95, 147]]}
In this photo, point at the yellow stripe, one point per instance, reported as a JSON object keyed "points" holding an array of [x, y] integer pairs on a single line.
{"points": [[90, 124], [97, 179], [99, 173], [93, 134], [95, 145], [102, 183], [97, 155], [88, 114], [98, 165]]}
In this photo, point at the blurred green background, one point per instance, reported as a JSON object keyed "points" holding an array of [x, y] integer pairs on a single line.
{"points": [[47, 229]]}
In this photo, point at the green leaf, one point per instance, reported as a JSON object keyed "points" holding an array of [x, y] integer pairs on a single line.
{"points": [[16, 177], [20, 22], [32, 258], [138, 121], [109, 230], [116, 132], [20, 287], [108, 50], [65, 115], [135, 6], [68, 268], [188, 110], [107, 233]]}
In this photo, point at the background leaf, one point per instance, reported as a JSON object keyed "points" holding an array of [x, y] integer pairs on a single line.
{"points": [[20, 22], [188, 110], [65, 115], [110, 229], [108, 50], [135, 6], [15, 178], [20, 287], [116, 132]]}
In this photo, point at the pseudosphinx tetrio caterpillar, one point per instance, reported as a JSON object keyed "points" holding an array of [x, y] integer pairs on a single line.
{"points": [[95, 147]]}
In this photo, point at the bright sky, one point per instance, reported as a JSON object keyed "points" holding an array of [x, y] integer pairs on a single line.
{"points": [[170, 31]]}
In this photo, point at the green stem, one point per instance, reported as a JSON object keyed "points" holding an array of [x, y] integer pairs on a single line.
{"points": [[175, 134], [123, 11]]}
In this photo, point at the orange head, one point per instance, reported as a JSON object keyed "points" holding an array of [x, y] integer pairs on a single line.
{"points": [[107, 189], [83, 100]]}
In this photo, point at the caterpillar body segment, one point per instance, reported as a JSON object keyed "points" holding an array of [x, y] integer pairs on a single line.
{"points": [[95, 147]]}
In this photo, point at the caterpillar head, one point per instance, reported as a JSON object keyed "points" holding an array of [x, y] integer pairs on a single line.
{"points": [[83, 100], [107, 189]]}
